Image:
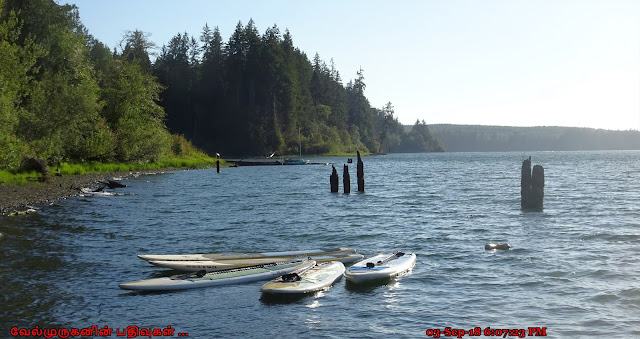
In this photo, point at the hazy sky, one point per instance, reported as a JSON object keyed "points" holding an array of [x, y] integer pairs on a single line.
{"points": [[510, 63]]}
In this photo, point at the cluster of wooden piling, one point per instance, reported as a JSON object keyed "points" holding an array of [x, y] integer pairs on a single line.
{"points": [[531, 183], [346, 178], [531, 186]]}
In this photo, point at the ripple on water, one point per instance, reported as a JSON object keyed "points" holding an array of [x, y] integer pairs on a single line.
{"points": [[572, 268]]}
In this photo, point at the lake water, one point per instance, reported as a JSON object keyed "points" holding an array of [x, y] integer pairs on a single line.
{"points": [[573, 269]]}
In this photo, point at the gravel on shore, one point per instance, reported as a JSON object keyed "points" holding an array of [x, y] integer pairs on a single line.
{"points": [[19, 198]]}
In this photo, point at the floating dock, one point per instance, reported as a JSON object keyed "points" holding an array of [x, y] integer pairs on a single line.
{"points": [[237, 163]]}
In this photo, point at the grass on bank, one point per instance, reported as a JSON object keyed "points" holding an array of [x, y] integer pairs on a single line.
{"points": [[194, 161], [190, 162], [9, 178]]}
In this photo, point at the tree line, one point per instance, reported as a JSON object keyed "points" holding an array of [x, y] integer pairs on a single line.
{"points": [[473, 138], [256, 94], [66, 96]]}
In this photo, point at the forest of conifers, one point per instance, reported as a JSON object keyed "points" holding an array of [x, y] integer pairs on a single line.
{"points": [[65, 96], [258, 94]]}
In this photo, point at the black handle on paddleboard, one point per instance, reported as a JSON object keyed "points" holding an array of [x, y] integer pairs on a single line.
{"points": [[295, 275], [382, 262], [291, 277]]}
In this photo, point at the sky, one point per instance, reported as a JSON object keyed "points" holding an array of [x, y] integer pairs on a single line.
{"points": [[481, 62]]}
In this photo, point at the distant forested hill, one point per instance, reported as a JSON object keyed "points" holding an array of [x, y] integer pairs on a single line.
{"points": [[474, 138]]}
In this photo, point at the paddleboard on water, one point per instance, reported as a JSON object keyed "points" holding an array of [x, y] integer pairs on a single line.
{"points": [[382, 266], [225, 277], [222, 256], [216, 265], [313, 279]]}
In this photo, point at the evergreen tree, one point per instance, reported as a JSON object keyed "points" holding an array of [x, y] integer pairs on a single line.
{"points": [[136, 49], [235, 115], [289, 85], [360, 112], [210, 91], [174, 70]]}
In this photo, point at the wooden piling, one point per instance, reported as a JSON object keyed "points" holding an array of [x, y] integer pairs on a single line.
{"points": [[360, 173], [531, 187], [346, 180], [333, 180], [537, 183], [218, 162]]}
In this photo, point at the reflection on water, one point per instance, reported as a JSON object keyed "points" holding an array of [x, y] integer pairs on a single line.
{"points": [[33, 258], [572, 268], [314, 304]]}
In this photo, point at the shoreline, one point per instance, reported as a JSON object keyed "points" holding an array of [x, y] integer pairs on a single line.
{"points": [[22, 198]]}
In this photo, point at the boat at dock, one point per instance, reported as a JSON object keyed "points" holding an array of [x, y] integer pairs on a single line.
{"points": [[299, 160], [295, 162], [268, 162]]}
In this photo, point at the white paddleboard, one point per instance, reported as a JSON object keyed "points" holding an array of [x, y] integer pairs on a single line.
{"points": [[314, 279], [216, 265], [231, 276], [382, 266], [218, 256]]}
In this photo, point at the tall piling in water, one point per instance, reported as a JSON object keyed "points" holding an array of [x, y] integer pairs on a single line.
{"points": [[346, 180], [333, 180], [360, 173], [531, 187]]}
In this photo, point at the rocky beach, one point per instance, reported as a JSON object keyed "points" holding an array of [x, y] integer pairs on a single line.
{"points": [[20, 198]]}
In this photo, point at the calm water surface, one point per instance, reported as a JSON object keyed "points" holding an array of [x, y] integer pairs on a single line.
{"points": [[573, 268]]}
